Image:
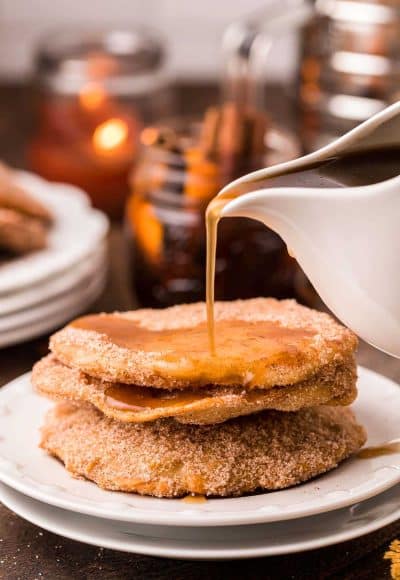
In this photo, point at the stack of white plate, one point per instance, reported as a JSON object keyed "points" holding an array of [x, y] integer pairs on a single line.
{"points": [[42, 290], [360, 496]]}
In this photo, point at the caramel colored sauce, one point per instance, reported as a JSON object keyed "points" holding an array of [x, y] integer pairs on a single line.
{"points": [[183, 353], [213, 215], [354, 169], [379, 450], [194, 499], [132, 398]]}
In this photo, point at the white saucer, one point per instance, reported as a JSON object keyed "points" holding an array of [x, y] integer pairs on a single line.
{"points": [[29, 470], [212, 543], [89, 286], [58, 313], [53, 287], [78, 230]]}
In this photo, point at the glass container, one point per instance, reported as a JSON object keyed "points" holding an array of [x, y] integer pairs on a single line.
{"points": [[96, 90], [349, 60], [177, 175], [349, 66]]}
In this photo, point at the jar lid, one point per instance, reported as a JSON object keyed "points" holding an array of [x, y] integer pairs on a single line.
{"points": [[123, 61]]}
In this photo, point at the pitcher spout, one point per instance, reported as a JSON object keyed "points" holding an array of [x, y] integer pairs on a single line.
{"points": [[346, 241], [287, 211]]}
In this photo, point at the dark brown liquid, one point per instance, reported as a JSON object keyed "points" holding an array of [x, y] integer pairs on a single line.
{"points": [[183, 353], [379, 450], [351, 170]]}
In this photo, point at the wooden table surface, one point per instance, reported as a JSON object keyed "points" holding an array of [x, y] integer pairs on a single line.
{"points": [[28, 553]]}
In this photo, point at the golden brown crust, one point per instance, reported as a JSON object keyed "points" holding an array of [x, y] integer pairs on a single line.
{"points": [[333, 385], [20, 234], [13, 197], [24, 220], [266, 451], [96, 355]]}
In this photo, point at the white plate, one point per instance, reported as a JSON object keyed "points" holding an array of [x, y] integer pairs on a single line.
{"points": [[78, 230], [29, 470], [46, 311], [212, 543], [60, 317], [53, 287]]}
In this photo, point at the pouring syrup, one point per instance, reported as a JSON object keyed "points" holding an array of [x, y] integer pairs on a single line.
{"points": [[347, 170]]}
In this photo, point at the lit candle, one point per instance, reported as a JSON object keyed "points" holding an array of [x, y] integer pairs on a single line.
{"points": [[90, 108], [94, 147], [110, 137]]}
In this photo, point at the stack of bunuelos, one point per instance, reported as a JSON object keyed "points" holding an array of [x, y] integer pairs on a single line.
{"points": [[24, 220], [146, 408]]}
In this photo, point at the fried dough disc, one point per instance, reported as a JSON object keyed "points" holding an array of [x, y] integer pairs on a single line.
{"points": [[12, 196], [281, 343], [266, 451], [20, 234], [333, 385]]}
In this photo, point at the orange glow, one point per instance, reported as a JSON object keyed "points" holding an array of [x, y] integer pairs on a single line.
{"points": [[149, 136], [110, 135], [92, 96]]}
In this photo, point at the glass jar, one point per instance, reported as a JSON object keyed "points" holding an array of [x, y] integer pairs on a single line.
{"points": [[165, 222], [96, 90], [349, 67]]}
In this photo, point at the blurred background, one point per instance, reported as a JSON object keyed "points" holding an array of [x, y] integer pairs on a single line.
{"points": [[193, 31], [151, 107], [190, 36], [336, 60]]}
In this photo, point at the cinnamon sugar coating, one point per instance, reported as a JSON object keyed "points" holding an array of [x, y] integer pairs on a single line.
{"points": [[20, 234], [13, 197], [24, 221], [334, 384], [264, 451], [320, 342]]}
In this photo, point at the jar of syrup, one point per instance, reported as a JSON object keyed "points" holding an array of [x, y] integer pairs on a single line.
{"points": [[182, 167]]}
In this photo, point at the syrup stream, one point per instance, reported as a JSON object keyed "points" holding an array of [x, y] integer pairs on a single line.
{"points": [[213, 216]]}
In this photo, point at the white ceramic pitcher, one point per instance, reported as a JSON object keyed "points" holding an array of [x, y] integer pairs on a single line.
{"points": [[347, 239]]}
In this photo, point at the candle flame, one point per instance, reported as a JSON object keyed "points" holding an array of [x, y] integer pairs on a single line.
{"points": [[110, 135], [92, 96]]}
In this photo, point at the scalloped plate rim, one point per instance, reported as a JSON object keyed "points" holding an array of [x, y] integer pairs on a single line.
{"points": [[145, 544], [227, 511], [38, 266]]}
